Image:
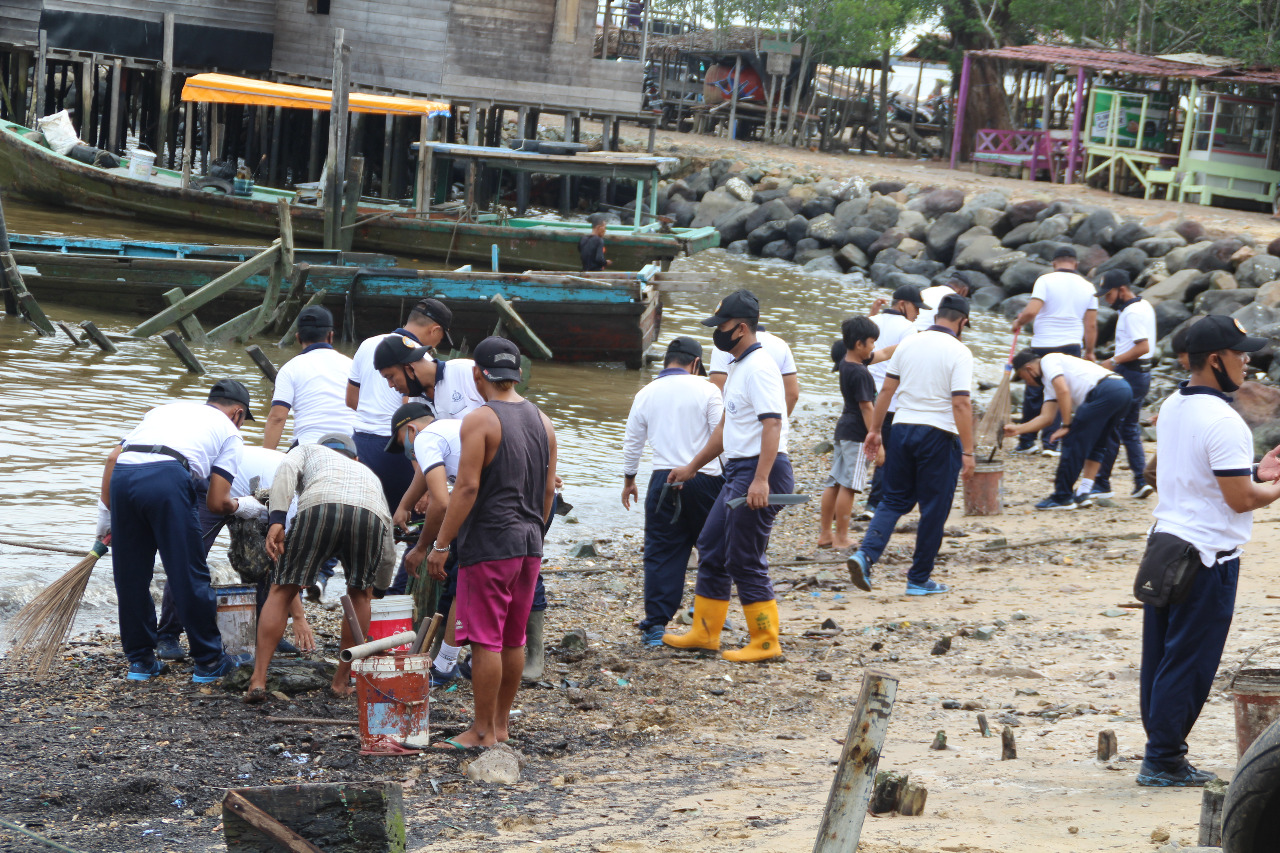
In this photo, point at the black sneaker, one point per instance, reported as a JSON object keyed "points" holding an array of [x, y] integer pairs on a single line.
{"points": [[168, 648], [1142, 490], [1185, 776]]}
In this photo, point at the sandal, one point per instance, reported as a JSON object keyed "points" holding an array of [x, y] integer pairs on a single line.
{"points": [[451, 745]]}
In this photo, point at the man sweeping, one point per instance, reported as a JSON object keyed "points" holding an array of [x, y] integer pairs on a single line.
{"points": [[501, 499], [752, 436], [341, 513], [149, 492]]}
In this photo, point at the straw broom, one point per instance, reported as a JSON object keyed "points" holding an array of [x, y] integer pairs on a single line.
{"points": [[39, 629], [991, 427]]}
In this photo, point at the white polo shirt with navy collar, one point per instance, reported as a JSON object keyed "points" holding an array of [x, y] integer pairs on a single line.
{"points": [[439, 444], [931, 368], [313, 384], [378, 400], [1080, 374], [675, 414], [1200, 438], [201, 433], [776, 347], [455, 394], [753, 394], [894, 328], [1137, 322]]}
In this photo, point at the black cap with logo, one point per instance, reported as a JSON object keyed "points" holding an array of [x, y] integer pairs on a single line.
{"points": [[408, 413], [1219, 332], [1021, 360], [439, 313], [909, 293], [397, 349], [739, 305], [961, 278], [498, 359], [684, 345], [315, 317], [1112, 280], [230, 389], [954, 302]]}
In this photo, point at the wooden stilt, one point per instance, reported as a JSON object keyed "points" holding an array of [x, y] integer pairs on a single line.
{"points": [[264, 364], [183, 352], [336, 162], [1008, 746], [188, 143], [95, 334], [313, 153], [204, 112], [86, 100], [41, 78], [388, 139], [350, 204], [473, 138], [166, 87], [423, 190], [117, 88], [189, 325], [1211, 803], [277, 128]]}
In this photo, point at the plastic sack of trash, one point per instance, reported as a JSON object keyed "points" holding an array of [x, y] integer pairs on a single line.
{"points": [[59, 132]]}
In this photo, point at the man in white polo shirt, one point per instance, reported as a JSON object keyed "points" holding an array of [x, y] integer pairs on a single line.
{"points": [[1207, 500], [1087, 401], [931, 297], [752, 436], [675, 414], [1065, 311], [375, 402], [932, 375], [778, 350], [1135, 337], [896, 324], [312, 385]]}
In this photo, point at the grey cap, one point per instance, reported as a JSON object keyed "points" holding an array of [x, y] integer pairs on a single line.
{"points": [[339, 442]]}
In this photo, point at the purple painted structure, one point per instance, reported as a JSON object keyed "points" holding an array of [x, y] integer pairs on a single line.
{"points": [[1036, 149]]}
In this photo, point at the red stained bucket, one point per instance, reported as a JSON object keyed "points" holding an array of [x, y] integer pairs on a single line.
{"points": [[1257, 703], [389, 616], [982, 491], [392, 691]]}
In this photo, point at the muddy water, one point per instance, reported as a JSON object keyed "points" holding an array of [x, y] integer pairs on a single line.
{"points": [[62, 408]]}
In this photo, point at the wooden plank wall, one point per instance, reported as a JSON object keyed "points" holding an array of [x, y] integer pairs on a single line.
{"points": [[19, 23], [251, 15], [462, 49]]}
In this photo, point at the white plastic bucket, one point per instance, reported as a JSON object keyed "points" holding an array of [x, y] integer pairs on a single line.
{"points": [[141, 163], [389, 616], [237, 617], [392, 691]]}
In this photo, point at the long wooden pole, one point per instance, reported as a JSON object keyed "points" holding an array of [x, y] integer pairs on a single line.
{"points": [[188, 144], [1077, 118], [166, 88], [855, 777], [961, 102], [336, 162], [42, 53], [117, 85]]}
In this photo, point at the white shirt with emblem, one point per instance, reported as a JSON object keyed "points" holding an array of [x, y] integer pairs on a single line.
{"points": [[894, 328], [1137, 322], [1199, 438], [455, 393], [676, 414], [200, 432], [313, 384], [776, 347], [1067, 297], [1080, 375], [378, 400], [931, 368], [753, 392], [439, 444]]}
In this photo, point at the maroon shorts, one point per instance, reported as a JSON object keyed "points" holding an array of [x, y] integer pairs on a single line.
{"points": [[494, 599]]}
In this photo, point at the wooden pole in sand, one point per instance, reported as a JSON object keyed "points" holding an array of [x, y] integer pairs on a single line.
{"points": [[855, 777]]}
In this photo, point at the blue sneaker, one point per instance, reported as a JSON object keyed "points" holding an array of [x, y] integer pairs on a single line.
{"points": [[1050, 450], [652, 636], [146, 671], [1097, 492], [218, 671], [859, 571], [1185, 776], [1026, 450], [168, 648], [927, 588], [438, 678], [1054, 503], [1141, 490]]}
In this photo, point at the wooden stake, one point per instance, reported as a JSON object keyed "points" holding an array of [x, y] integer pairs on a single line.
{"points": [[26, 303], [166, 88], [189, 325], [1108, 748], [851, 789], [1211, 803], [184, 354], [983, 726], [350, 204], [95, 334], [40, 79], [1008, 748], [188, 143], [117, 85], [75, 339], [939, 741], [911, 803], [285, 214], [353, 621], [336, 162], [265, 823], [887, 792], [264, 364]]}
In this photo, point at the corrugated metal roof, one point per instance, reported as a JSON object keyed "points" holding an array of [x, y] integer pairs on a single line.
{"points": [[1124, 62]]}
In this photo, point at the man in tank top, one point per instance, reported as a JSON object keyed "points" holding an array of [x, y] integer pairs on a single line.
{"points": [[502, 497]]}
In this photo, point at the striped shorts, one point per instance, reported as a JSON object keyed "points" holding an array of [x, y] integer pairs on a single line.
{"points": [[850, 467], [353, 534]]}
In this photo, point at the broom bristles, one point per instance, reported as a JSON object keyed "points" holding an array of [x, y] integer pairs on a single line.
{"points": [[991, 427], [40, 628]]}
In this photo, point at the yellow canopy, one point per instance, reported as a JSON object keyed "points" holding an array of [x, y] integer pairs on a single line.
{"points": [[226, 89]]}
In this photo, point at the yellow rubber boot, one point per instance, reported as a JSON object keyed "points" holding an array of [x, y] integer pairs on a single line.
{"points": [[762, 622], [708, 620]]}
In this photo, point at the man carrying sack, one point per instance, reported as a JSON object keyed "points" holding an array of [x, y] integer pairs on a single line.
{"points": [[1204, 516]]}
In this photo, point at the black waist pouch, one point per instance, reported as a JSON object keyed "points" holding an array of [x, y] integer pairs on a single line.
{"points": [[1167, 571]]}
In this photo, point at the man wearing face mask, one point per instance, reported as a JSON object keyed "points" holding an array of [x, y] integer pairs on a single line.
{"points": [[752, 436], [932, 375], [1135, 336], [1090, 401], [1207, 499], [447, 384]]}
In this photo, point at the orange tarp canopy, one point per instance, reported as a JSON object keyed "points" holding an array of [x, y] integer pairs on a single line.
{"points": [[226, 89]]}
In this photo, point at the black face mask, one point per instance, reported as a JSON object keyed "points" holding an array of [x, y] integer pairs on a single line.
{"points": [[724, 341], [1223, 379], [413, 386]]}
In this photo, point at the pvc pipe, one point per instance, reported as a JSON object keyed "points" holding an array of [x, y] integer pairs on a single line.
{"points": [[374, 647]]}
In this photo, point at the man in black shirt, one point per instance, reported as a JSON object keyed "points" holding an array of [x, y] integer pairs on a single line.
{"points": [[848, 463], [591, 248]]}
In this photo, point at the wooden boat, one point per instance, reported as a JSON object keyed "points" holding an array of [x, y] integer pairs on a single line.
{"points": [[581, 317], [30, 169]]}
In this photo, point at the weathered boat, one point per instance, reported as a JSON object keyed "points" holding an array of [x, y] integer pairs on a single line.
{"points": [[581, 317], [30, 169]]}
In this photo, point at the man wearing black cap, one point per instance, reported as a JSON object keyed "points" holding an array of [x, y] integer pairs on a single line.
{"points": [[1135, 337], [148, 489], [1207, 499], [501, 500], [752, 436], [312, 384], [932, 375], [1088, 402], [896, 324], [931, 297], [374, 401], [675, 414], [1064, 308]]}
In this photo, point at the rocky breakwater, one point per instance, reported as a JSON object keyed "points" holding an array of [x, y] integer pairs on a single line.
{"points": [[889, 233]]}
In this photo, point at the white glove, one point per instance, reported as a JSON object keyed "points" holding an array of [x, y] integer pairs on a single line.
{"points": [[104, 521], [250, 508]]}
